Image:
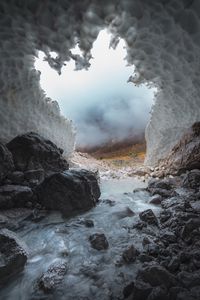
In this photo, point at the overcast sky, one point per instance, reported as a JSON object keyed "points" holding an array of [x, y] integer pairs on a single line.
{"points": [[102, 105]]}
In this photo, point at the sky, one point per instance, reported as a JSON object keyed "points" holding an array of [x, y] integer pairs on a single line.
{"points": [[101, 103]]}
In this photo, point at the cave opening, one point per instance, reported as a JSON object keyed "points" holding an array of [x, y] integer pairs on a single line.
{"points": [[108, 111]]}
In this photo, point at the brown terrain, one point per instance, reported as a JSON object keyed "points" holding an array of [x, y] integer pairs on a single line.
{"points": [[118, 155]]}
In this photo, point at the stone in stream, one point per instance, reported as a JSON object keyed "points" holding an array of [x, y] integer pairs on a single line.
{"points": [[70, 192], [14, 196], [148, 217], [13, 254], [127, 212], [99, 241], [130, 254], [156, 200], [31, 152], [6, 162], [53, 277]]}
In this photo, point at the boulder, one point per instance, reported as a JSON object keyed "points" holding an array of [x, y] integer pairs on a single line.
{"points": [[31, 152], [13, 254], [188, 279], [148, 217], [155, 275], [192, 180], [185, 155], [159, 293], [14, 196], [99, 241], [16, 177], [37, 175], [6, 162], [129, 255], [164, 184], [70, 192], [128, 290], [141, 290], [156, 200], [51, 279]]}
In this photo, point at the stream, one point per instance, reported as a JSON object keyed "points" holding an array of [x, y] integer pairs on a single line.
{"points": [[91, 274]]}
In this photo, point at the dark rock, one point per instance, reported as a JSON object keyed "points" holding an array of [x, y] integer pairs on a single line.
{"points": [[129, 255], [14, 196], [174, 291], [99, 241], [70, 192], [139, 190], [159, 184], [163, 193], [16, 177], [159, 293], [185, 155], [165, 215], [139, 225], [187, 295], [109, 202], [141, 290], [146, 241], [35, 175], [31, 152], [144, 258], [184, 256], [127, 212], [174, 264], [156, 200], [189, 279], [172, 202], [149, 217], [6, 162], [53, 277], [128, 290], [168, 237], [189, 227], [152, 249], [192, 180], [88, 223], [13, 255], [156, 275]]}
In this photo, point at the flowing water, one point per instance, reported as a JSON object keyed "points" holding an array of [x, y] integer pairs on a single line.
{"points": [[91, 274]]}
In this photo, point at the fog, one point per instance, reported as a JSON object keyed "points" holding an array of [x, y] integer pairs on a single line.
{"points": [[100, 101]]}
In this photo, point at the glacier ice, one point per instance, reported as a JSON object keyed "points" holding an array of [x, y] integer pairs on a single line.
{"points": [[163, 42]]}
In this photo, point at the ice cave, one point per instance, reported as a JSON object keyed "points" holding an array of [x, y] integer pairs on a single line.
{"points": [[69, 232]]}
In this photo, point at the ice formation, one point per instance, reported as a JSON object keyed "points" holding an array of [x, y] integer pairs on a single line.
{"points": [[162, 39]]}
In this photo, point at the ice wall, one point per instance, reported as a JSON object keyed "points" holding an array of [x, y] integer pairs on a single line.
{"points": [[163, 42]]}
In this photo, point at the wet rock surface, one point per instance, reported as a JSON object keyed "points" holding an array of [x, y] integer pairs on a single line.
{"points": [[13, 255], [6, 162], [149, 217], [99, 241], [70, 192], [53, 277], [14, 196], [153, 247], [31, 152]]}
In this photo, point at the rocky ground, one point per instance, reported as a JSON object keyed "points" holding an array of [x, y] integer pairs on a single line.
{"points": [[35, 178]]}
